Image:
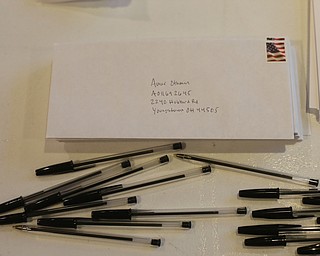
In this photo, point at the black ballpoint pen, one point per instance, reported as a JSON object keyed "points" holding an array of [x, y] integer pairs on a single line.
{"points": [[98, 194], [278, 229], [247, 168], [285, 213], [132, 214], [141, 240], [280, 240], [71, 222], [110, 178], [28, 201], [276, 192], [72, 166], [27, 216]]}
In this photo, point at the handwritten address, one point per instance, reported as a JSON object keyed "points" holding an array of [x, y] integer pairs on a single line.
{"points": [[173, 96]]}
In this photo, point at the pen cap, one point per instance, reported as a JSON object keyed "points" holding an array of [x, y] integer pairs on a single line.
{"points": [[156, 242], [311, 200], [260, 193], [126, 164], [58, 222], [132, 200], [277, 213], [43, 203], [266, 241], [12, 204], [55, 168], [122, 214], [313, 249], [314, 182], [178, 145], [13, 218], [164, 159], [83, 198], [268, 229]]}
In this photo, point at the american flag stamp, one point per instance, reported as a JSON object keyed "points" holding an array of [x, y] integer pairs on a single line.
{"points": [[275, 49]]}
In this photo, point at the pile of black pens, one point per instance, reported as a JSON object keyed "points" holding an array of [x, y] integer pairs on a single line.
{"points": [[281, 234], [99, 191]]}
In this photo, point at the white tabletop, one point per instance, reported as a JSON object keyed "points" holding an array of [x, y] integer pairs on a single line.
{"points": [[28, 30]]}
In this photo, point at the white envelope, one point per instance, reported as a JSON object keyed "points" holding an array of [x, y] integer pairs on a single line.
{"points": [[169, 89], [314, 54]]}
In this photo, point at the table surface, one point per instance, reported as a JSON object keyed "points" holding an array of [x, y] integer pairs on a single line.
{"points": [[28, 30]]}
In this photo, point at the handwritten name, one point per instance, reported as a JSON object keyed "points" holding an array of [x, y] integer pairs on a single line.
{"points": [[155, 83]]}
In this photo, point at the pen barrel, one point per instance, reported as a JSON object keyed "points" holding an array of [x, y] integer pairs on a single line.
{"points": [[70, 222], [191, 212], [129, 214], [254, 170], [134, 153], [310, 212], [299, 192], [62, 231], [301, 238]]}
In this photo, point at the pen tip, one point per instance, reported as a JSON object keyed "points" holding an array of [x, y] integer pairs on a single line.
{"points": [[20, 227], [182, 156]]}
